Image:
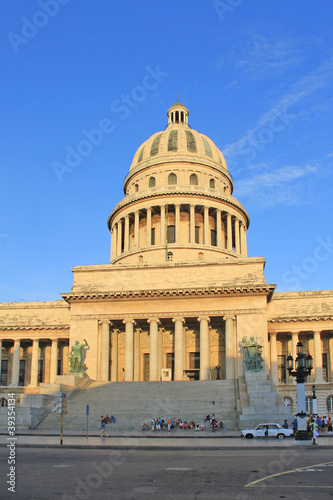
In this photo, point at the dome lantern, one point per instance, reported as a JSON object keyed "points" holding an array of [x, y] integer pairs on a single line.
{"points": [[178, 114]]}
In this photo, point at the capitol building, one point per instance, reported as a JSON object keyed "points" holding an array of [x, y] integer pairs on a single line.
{"points": [[179, 295]]}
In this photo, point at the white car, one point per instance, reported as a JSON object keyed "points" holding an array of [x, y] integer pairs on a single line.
{"points": [[267, 430]]}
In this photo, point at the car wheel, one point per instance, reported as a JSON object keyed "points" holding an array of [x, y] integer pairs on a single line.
{"points": [[249, 436], [280, 436]]}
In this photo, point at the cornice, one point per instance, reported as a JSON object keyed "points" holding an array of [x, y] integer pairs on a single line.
{"points": [[302, 319], [34, 327], [229, 200], [176, 292]]}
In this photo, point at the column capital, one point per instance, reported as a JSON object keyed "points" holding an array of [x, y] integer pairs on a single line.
{"points": [[178, 318], [101, 321], [316, 332], [207, 318], [150, 320], [229, 316], [272, 334], [129, 320]]}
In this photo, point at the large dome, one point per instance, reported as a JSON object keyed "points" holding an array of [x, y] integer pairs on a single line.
{"points": [[178, 142]]}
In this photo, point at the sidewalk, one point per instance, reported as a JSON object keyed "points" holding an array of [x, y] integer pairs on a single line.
{"points": [[228, 440]]}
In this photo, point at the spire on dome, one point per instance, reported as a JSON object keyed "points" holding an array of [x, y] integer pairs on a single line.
{"points": [[177, 96]]}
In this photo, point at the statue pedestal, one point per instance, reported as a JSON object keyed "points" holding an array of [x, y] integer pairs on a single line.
{"points": [[71, 379]]}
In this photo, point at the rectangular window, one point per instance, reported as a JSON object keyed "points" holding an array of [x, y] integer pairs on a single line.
{"points": [[146, 367], [59, 367], [40, 371], [325, 372], [197, 234], [152, 236], [282, 372], [22, 372], [170, 362], [213, 237], [194, 360], [4, 372], [171, 235]]}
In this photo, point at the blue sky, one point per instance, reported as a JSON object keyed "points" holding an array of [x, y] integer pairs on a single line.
{"points": [[256, 77]]}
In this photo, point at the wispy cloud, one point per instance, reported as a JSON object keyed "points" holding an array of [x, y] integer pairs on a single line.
{"points": [[279, 186], [304, 88]]}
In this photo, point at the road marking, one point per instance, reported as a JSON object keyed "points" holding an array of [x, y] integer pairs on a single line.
{"points": [[286, 472], [62, 465], [179, 468]]}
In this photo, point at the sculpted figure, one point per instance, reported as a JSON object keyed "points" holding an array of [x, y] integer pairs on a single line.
{"points": [[75, 356], [252, 354]]}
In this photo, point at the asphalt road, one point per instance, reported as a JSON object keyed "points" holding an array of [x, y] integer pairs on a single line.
{"points": [[179, 475]]}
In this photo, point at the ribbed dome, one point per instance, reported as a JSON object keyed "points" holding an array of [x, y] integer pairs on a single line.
{"points": [[176, 143]]}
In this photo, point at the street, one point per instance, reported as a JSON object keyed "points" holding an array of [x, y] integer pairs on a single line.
{"points": [[43, 474]]}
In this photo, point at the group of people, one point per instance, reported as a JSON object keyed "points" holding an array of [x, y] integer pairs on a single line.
{"points": [[159, 424], [323, 423], [104, 421], [314, 424]]}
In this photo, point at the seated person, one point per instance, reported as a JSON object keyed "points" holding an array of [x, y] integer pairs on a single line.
{"points": [[145, 426], [202, 427], [197, 427], [185, 425], [112, 419]]}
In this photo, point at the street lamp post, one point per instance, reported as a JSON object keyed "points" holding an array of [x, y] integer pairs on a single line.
{"points": [[303, 368], [314, 402], [218, 368]]}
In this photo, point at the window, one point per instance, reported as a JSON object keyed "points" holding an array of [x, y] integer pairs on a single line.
{"points": [[308, 404], [329, 403], [152, 182], [4, 402], [213, 237], [171, 237], [194, 360], [282, 372], [136, 187], [324, 358], [152, 241], [194, 180], [40, 377], [212, 183], [197, 234], [287, 401], [22, 372], [4, 372], [172, 179]]}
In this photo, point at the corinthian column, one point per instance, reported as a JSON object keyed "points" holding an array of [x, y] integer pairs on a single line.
{"points": [[163, 228], [179, 348], [177, 223], [119, 234], [34, 362], [204, 349], [104, 352], [230, 347], [54, 360], [16, 364], [153, 349], [229, 233], [206, 226], [129, 352], [148, 239], [274, 368], [318, 358], [114, 356], [237, 246]]}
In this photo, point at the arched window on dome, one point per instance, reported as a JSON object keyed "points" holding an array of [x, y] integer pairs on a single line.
{"points": [[172, 179], [136, 187], [212, 183], [152, 182], [193, 179]]}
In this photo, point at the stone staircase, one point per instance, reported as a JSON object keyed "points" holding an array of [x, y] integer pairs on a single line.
{"points": [[133, 403], [259, 401]]}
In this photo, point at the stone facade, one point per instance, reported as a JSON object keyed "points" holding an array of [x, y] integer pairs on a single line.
{"points": [[180, 292]]}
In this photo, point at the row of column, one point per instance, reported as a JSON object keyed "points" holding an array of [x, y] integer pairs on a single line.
{"points": [[34, 361], [131, 349], [120, 238], [317, 358]]}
